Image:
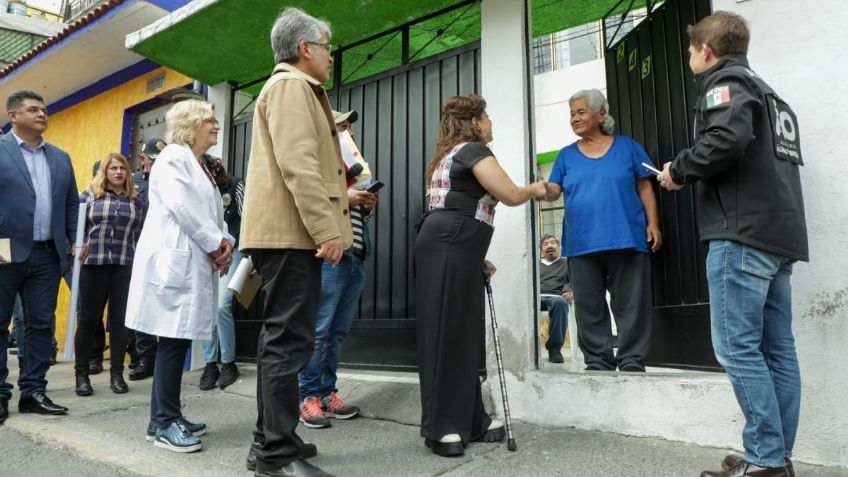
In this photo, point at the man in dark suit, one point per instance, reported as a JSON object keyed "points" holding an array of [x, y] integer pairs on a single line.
{"points": [[39, 205]]}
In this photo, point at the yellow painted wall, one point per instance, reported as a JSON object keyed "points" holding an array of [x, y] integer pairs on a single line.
{"points": [[90, 130]]}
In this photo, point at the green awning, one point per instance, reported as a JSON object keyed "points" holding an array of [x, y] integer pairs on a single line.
{"points": [[228, 40]]}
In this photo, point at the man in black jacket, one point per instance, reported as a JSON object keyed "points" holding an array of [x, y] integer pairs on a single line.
{"points": [[745, 165]]}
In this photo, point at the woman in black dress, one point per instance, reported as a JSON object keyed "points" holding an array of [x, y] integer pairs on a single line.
{"points": [[465, 184]]}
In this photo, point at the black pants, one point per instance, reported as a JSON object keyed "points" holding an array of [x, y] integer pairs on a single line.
{"points": [[37, 281], [99, 284], [292, 285], [167, 378], [627, 276], [450, 324], [145, 347]]}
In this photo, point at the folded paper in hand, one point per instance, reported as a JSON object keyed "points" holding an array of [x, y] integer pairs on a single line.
{"points": [[243, 284], [351, 156]]}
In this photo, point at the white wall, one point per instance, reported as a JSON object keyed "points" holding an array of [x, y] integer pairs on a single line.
{"points": [[799, 49], [220, 97], [551, 91]]}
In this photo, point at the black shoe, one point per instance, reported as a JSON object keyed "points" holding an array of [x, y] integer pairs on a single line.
{"points": [[117, 383], [83, 386], [209, 377], [133, 364], [229, 375], [631, 368], [746, 469], [555, 356], [95, 366], [13, 343], [448, 446], [4, 409], [732, 460], [142, 371], [298, 468], [495, 432], [39, 403], [306, 451], [594, 367]]}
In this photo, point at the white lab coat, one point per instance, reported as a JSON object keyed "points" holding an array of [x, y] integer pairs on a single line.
{"points": [[174, 287]]}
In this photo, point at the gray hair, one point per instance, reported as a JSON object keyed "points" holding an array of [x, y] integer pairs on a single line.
{"points": [[596, 101], [293, 27]]}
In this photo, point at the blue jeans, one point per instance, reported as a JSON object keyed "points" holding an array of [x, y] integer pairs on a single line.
{"points": [[225, 328], [557, 309], [340, 291], [37, 281], [751, 314]]}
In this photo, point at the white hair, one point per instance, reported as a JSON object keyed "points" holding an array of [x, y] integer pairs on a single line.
{"points": [[597, 102], [183, 120], [293, 27]]}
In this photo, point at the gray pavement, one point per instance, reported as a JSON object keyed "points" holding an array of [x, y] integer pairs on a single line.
{"points": [[104, 435]]}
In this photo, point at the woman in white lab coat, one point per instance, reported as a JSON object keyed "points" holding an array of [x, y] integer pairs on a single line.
{"points": [[183, 249]]}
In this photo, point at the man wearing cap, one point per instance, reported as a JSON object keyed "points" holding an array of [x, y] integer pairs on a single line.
{"points": [[145, 345], [341, 287]]}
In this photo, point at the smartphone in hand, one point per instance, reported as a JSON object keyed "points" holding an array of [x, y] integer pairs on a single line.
{"points": [[377, 185]]}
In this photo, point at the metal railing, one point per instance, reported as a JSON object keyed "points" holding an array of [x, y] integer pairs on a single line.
{"points": [[76, 8]]}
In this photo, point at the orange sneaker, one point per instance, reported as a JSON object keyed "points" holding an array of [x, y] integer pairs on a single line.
{"points": [[311, 414], [333, 406]]}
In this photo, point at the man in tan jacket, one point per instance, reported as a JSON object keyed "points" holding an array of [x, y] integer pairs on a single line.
{"points": [[295, 216]]}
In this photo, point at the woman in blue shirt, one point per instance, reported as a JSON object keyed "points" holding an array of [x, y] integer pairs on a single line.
{"points": [[611, 222]]}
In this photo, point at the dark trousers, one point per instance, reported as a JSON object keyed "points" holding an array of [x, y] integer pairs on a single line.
{"points": [[450, 324], [167, 378], [145, 347], [292, 286], [627, 276], [99, 284], [37, 281]]}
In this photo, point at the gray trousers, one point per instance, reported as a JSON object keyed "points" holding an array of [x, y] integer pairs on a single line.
{"points": [[627, 276]]}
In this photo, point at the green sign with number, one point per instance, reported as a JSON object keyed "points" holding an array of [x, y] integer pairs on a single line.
{"points": [[619, 53], [646, 67], [633, 60]]}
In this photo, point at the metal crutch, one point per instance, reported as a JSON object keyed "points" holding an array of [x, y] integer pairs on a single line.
{"points": [[510, 440]]}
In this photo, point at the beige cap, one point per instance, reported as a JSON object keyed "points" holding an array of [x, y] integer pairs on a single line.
{"points": [[351, 116]]}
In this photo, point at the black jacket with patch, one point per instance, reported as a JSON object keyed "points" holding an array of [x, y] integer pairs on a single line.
{"points": [[745, 162]]}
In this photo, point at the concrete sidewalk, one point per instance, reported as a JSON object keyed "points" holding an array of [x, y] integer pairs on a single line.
{"points": [[109, 429]]}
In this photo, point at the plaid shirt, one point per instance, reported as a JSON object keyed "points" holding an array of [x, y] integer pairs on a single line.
{"points": [[112, 226]]}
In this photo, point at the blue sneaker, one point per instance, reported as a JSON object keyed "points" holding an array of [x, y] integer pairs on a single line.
{"points": [[196, 429], [176, 438]]}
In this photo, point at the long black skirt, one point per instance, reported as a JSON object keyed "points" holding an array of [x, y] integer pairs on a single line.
{"points": [[449, 254]]}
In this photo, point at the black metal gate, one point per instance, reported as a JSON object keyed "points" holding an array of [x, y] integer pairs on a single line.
{"points": [[650, 89], [396, 133]]}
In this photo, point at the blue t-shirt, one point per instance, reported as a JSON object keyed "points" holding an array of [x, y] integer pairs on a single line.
{"points": [[602, 207]]}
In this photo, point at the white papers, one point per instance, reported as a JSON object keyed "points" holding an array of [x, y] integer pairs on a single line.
{"points": [[240, 276]]}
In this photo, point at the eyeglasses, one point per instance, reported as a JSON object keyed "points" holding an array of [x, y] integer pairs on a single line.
{"points": [[326, 46]]}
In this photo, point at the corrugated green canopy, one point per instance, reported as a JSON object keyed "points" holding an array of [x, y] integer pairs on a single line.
{"points": [[229, 39]]}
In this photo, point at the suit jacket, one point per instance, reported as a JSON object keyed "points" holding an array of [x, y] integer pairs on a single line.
{"points": [[296, 192], [17, 199]]}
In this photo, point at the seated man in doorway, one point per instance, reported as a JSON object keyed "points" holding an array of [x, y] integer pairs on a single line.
{"points": [[556, 293]]}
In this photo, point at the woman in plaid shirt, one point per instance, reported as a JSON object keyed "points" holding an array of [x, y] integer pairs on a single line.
{"points": [[114, 215]]}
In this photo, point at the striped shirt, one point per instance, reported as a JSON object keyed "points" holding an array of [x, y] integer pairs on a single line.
{"points": [[455, 189], [357, 223], [39, 172], [112, 226]]}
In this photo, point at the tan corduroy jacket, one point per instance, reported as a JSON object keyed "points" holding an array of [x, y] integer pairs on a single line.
{"points": [[295, 193]]}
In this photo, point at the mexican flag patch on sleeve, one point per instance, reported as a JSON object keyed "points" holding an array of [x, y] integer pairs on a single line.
{"points": [[718, 96]]}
